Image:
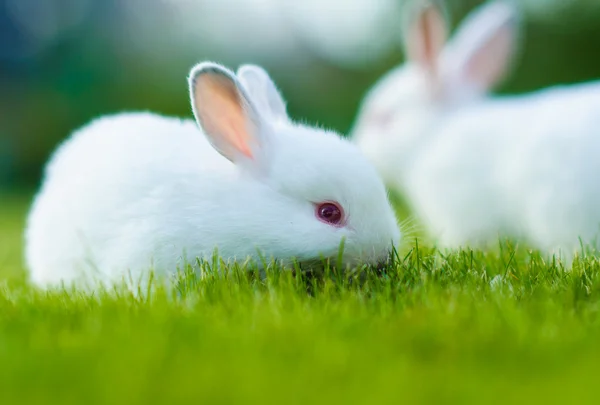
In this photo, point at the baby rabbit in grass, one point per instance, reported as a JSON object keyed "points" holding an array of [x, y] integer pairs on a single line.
{"points": [[137, 191], [473, 166]]}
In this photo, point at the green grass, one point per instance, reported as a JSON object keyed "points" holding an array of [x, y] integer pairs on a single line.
{"points": [[430, 330]]}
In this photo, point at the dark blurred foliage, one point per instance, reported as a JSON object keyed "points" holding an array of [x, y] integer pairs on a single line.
{"points": [[57, 73]]}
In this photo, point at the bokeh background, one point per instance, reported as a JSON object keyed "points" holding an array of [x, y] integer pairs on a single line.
{"points": [[63, 62]]}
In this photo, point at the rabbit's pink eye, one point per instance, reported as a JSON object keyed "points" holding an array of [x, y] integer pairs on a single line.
{"points": [[330, 213]]}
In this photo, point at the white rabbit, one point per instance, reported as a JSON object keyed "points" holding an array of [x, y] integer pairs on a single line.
{"points": [[136, 191], [473, 166]]}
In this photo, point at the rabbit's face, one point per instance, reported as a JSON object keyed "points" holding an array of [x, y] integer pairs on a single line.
{"points": [[328, 192], [308, 192], [395, 118]]}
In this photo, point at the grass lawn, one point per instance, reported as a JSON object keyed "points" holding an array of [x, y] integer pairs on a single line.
{"points": [[430, 330]]}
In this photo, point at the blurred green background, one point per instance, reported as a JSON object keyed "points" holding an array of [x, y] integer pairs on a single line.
{"points": [[63, 62]]}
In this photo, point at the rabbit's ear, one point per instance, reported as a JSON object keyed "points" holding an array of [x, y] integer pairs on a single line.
{"points": [[425, 33], [263, 92], [482, 51], [226, 114]]}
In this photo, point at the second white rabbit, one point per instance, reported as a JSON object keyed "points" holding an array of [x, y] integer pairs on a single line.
{"points": [[475, 167]]}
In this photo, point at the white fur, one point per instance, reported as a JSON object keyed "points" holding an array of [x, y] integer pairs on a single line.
{"points": [[137, 191], [475, 167]]}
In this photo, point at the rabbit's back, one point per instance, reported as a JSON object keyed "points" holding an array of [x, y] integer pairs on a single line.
{"points": [[514, 165], [133, 141], [555, 170], [111, 190]]}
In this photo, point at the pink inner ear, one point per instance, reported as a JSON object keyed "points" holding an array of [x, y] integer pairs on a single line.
{"points": [[489, 64], [222, 115], [240, 139], [427, 26], [426, 38]]}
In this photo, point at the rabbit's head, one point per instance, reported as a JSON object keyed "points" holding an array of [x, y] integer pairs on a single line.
{"points": [[400, 112], [308, 188]]}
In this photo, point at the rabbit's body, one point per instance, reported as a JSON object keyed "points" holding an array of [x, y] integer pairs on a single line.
{"points": [[136, 192], [132, 171], [474, 166], [510, 166]]}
